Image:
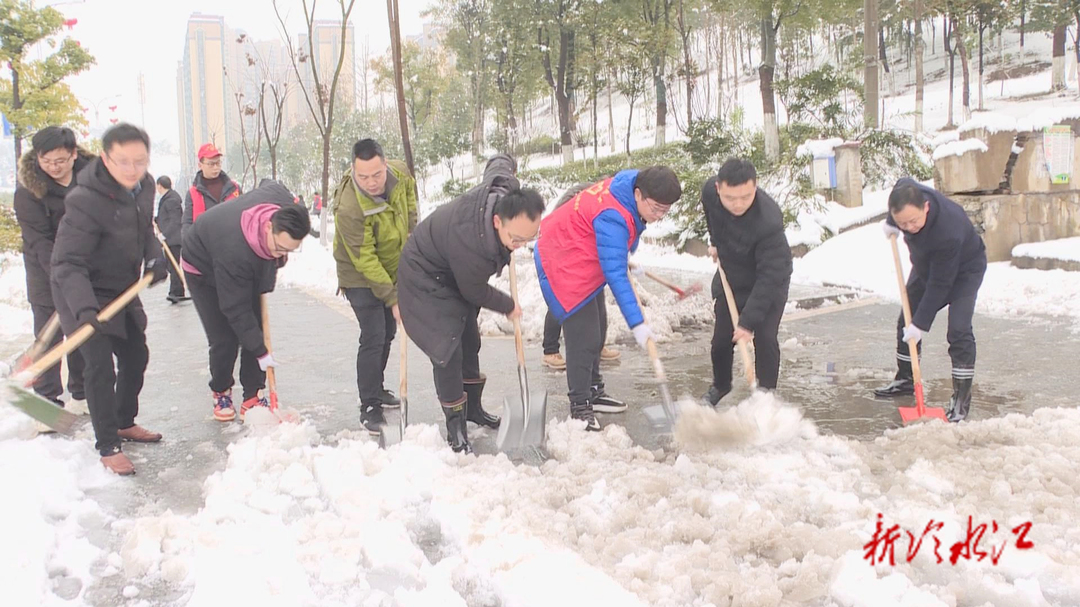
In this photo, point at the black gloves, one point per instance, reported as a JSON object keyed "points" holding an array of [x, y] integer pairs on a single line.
{"points": [[158, 268], [89, 316]]}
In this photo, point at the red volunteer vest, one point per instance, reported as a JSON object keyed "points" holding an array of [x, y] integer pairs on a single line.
{"points": [[198, 203]]}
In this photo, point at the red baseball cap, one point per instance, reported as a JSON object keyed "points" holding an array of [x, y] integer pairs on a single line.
{"points": [[208, 151]]}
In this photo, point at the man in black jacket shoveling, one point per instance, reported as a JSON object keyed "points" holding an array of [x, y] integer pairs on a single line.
{"points": [[231, 257], [104, 243], [948, 261], [46, 174], [169, 216], [746, 228], [443, 282]]}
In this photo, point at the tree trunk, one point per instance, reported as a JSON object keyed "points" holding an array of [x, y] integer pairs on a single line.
{"points": [[1023, 20], [399, 84], [610, 112], [735, 67], [946, 34], [595, 120], [721, 46], [16, 103], [1076, 41], [920, 78], [870, 70], [661, 100], [981, 28], [961, 46], [629, 125], [768, 98], [1057, 81]]}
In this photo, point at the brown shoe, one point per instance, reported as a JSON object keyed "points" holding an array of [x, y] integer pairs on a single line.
{"points": [[609, 354], [118, 463], [138, 434], [555, 361]]}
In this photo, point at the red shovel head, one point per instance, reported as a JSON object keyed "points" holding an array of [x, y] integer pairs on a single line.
{"points": [[692, 289], [920, 410]]}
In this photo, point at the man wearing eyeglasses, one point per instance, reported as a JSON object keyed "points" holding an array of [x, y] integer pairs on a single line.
{"points": [[746, 229], [443, 283], [46, 175], [374, 212], [231, 257], [210, 187], [948, 261], [104, 243], [584, 245]]}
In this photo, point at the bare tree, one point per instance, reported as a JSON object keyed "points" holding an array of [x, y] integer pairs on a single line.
{"points": [[364, 70], [247, 112], [269, 125], [393, 16], [320, 98]]}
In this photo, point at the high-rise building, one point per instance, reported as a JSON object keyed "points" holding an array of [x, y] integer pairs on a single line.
{"points": [[204, 98], [327, 49]]}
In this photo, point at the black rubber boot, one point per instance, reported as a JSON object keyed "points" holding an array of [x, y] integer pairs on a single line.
{"points": [[584, 412], [457, 434], [902, 385], [474, 410], [371, 416], [713, 396], [960, 403]]}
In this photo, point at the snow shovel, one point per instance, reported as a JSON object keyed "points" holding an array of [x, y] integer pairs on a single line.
{"points": [[682, 293], [40, 344], [668, 422], [391, 435], [282, 415], [920, 410], [744, 349], [524, 421], [41, 409]]}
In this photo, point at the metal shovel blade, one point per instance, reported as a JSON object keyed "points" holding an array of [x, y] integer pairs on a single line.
{"points": [[512, 427], [390, 435], [63, 421]]}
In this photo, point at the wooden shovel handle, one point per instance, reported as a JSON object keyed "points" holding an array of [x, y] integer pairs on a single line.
{"points": [[913, 349], [43, 338], [517, 321], [84, 332], [744, 350], [271, 379], [650, 346], [175, 264]]}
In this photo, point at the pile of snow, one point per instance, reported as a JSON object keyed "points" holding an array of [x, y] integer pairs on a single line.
{"points": [[958, 148], [1065, 249], [47, 559], [606, 522], [862, 259], [312, 267], [1048, 116], [763, 419], [992, 122], [818, 148], [944, 137], [16, 321]]}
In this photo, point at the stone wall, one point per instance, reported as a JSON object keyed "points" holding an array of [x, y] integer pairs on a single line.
{"points": [[1006, 220]]}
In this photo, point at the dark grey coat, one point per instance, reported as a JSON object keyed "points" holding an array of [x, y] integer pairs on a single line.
{"points": [[445, 266], [104, 240], [169, 215], [39, 206]]}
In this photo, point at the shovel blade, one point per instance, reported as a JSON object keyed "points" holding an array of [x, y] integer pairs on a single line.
{"points": [[512, 427], [393, 434], [63, 421], [535, 433], [911, 414]]}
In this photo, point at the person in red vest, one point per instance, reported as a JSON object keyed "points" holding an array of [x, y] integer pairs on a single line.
{"points": [[210, 187], [584, 245]]}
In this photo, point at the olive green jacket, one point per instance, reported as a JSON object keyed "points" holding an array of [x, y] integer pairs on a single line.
{"points": [[371, 231]]}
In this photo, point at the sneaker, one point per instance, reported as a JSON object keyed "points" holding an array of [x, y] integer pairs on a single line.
{"points": [[555, 361], [602, 402], [584, 412], [251, 403], [223, 407], [372, 418], [609, 354], [389, 400]]}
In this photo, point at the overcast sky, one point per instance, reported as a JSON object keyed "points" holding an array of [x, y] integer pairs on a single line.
{"points": [[127, 37]]}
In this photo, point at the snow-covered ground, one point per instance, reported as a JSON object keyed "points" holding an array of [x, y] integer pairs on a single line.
{"points": [[1066, 249]]}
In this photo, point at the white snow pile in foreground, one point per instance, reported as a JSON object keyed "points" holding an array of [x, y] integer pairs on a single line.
{"points": [[958, 148], [862, 259], [47, 557], [292, 521], [763, 419], [15, 317], [1067, 249]]}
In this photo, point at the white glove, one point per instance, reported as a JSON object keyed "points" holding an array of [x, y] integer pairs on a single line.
{"points": [[890, 230], [266, 361], [912, 332], [642, 333], [637, 270]]}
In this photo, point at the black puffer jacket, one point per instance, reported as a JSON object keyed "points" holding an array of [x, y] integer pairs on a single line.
{"points": [[448, 260], [169, 215], [105, 238], [39, 206], [217, 248], [947, 255], [753, 251]]}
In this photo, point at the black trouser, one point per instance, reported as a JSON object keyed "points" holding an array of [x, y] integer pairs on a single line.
{"points": [[960, 335], [464, 363], [553, 330], [584, 332], [377, 329], [176, 284], [766, 344], [112, 393], [48, 383], [223, 341]]}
